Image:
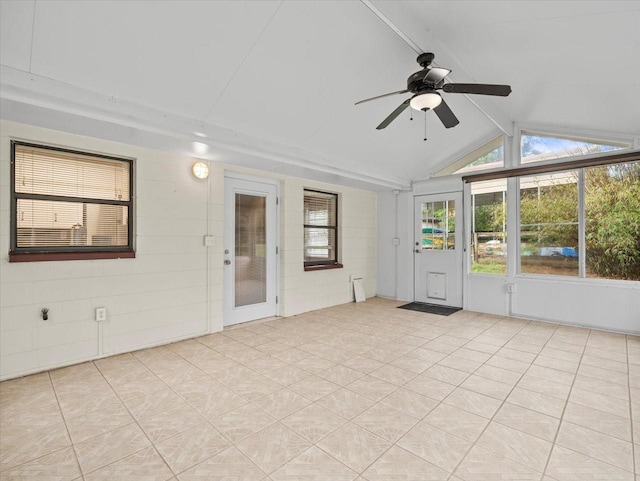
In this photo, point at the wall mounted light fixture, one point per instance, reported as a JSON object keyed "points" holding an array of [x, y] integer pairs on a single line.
{"points": [[200, 170]]}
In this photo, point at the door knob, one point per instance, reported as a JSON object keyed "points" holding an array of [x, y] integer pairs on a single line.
{"points": [[227, 262]]}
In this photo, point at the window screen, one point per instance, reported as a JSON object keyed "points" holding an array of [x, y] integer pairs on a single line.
{"points": [[320, 228], [65, 201]]}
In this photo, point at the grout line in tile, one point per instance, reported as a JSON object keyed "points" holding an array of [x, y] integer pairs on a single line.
{"points": [[482, 432], [564, 408], [64, 419], [636, 469], [135, 421]]}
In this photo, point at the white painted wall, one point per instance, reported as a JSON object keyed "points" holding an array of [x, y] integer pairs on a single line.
{"points": [[173, 288], [601, 304], [304, 291], [613, 305], [395, 263]]}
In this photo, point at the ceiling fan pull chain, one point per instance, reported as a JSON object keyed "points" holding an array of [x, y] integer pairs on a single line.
{"points": [[411, 111], [425, 125]]}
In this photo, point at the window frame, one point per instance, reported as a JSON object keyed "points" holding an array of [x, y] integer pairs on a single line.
{"points": [[328, 264], [55, 253], [579, 166], [455, 168], [624, 144]]}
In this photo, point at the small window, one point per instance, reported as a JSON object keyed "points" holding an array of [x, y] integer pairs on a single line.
{"points": [[538, 147], [438, 226], [320, 229], [69, 205]]}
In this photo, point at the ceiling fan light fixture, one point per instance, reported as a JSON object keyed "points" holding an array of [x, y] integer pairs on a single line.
{"points": [[429, 100]]}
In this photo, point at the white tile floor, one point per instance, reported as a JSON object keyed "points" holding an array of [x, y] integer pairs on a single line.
{"points": [[359, 391]]}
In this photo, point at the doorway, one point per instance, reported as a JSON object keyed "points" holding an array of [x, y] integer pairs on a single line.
{"points": [[438, 249], [250, 249]]}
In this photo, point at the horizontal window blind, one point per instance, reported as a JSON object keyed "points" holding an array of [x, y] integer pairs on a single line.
{"points": [[67, 201], [49, 172], [320, 228], [319, 208]]}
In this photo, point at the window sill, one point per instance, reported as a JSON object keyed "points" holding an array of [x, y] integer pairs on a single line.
{"points": [[69, 256], [323, 267]]}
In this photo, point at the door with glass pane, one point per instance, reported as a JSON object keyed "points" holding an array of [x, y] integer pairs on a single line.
{"points": [[438, 249], [250, 243]]}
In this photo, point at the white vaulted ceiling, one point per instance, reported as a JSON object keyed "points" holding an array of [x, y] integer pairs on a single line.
{"points": [[272, 84]]}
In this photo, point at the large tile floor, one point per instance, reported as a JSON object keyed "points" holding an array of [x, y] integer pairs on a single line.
{"points": [[360, 391]]}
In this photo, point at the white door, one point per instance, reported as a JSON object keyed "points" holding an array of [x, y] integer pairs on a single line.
{"points": [[250, 250], [438, 249]]}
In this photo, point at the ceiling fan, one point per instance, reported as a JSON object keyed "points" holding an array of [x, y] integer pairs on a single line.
{"points": [[425, 85]]}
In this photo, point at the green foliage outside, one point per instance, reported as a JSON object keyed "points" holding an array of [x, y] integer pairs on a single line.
{"points": [[490, 218], [549, 217], [612, 205]]}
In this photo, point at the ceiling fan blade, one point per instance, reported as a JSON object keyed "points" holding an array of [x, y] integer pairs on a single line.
{"points": [[380, 96], [480, 89], [446, 116], [392, 116], [436, 74]]}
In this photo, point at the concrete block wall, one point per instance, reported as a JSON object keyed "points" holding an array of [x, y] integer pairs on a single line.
{"points": [[173, 288]]}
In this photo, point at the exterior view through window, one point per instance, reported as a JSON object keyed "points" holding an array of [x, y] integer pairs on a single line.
{"points": [[581, 222], [549, 224], [65, 201], [551, 232], [320, 228], [489, 227], [538, 147], [612, 221], [487, 156], [438, 225]]}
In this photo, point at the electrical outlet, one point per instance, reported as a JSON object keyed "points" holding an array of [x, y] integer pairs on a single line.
{"points": [[511, 288], [209, 241], [101, 314]]}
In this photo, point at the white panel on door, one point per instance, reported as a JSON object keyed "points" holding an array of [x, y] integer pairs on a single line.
{"points": [[437, 285]]}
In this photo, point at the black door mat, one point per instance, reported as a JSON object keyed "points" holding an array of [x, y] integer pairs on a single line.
{"points": [[430, 308]]}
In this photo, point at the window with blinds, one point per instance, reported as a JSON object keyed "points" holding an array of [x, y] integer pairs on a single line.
{"points": [[65, 201], [320, 228]]}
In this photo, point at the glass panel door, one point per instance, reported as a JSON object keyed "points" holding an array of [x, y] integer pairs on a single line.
{"points": [[250, 259], [250, 250]]}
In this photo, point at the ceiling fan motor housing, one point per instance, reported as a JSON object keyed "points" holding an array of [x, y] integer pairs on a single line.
{"points": [[415, 83]]}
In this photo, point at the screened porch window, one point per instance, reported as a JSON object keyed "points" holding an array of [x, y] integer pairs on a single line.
{"points": [[66, 202]]}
